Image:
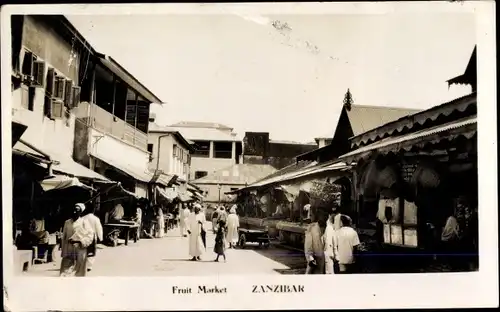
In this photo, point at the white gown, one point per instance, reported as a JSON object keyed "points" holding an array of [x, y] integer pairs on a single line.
{"points": [[195, 242], [233, 222]]}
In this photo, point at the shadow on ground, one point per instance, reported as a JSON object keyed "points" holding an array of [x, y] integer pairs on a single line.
{"points": [[293, 259]]}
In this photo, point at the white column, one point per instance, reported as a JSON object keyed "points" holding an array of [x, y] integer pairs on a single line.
{"points": [[233, 152], [211, 152]]}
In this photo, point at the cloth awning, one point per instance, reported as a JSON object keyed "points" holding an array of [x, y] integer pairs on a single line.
{"points": [[168, 193], [63, 163], [60, 182], [141, 175], [464, 127]]}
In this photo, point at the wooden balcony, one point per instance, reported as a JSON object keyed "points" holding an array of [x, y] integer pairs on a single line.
{"points": [[99, 119]]}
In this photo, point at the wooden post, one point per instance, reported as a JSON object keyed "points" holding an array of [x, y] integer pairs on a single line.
{"points": [[114, 96]]}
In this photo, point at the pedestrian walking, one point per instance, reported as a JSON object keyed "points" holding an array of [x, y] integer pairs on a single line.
{"points": [[347, 241], [76, 237], [330, 245], [233, 223], [183, 220], [160, 220], [220, 243], [195, 226], [314, 242], [222, 216], [203, 218], [96, 226], [138, 220], [215, 215]]}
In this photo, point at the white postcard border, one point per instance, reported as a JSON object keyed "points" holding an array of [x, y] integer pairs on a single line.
{"points": [[479, 289]]}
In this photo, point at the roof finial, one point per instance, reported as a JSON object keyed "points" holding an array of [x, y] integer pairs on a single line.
{"points": [[348, 101]]}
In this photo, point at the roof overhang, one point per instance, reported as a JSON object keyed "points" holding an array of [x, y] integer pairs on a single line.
{"points": [[128, 78], [406, 123], [466, 127]]}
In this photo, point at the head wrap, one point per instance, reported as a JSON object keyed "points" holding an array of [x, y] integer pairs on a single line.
{"points": [[233, 209], [81, 206]]}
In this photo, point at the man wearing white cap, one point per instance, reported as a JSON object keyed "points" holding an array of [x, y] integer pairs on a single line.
{"points": [[76, 237], [195, 227]]}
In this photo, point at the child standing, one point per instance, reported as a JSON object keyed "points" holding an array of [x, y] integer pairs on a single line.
{"points": [[220, 245]]}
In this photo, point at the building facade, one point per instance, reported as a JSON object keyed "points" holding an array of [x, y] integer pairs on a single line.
{"points": [[45, 81], [169, 151], [216, 147]]}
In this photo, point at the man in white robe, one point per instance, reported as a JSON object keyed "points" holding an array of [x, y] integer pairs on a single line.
{"points": [[183, 220], [195, 225], [77, 236]]}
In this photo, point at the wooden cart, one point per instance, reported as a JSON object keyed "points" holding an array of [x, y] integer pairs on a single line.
{"points": [[253, 236]]}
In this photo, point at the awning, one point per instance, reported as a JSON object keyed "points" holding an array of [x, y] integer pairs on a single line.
{"points": [[307, 171], [18, 130], [168, 193], [63, 163], [60, 182], [185, 196], [136, 173], [464, 127]]}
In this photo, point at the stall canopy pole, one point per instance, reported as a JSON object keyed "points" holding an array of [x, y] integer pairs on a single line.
{"points": [[99, 193]]}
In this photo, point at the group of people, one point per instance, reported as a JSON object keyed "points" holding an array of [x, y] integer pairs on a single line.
{"points": [[330, 243], [225, 226]]}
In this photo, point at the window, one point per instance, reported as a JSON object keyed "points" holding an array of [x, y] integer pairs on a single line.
{"points": [[150, 151], [202, 149], [223, 150], [27, 97], [200, 174], [175, 151]]}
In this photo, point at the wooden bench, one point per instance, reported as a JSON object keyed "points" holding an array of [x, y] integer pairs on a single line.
{"points": [[23, 260]]}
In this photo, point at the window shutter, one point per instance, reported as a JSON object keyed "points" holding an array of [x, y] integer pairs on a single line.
{"points": [[60, 82], [39, 73], [76, 95], [68, 94], [51, 82], [56, 109]]}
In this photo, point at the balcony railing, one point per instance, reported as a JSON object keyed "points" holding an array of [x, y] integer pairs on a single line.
{"points": [[98, 118]]}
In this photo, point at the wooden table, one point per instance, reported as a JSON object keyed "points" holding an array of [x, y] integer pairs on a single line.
{"points": [[127, 227]]}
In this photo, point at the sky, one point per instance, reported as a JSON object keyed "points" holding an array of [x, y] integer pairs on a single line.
{"points": [[287, 77]]}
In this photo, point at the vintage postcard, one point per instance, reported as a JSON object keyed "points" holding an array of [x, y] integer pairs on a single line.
{"points": [[249, 156]]}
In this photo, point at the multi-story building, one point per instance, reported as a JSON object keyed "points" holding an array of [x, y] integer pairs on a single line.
{"points": [[48, 62], [111, 135], [81, 107], [169, 151], [217, 146]]}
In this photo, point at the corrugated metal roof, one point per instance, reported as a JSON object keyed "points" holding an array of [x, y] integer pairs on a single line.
{"points": [[461, 105], [240, 174], [466, 126], [311, 169], [365, 118]]}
